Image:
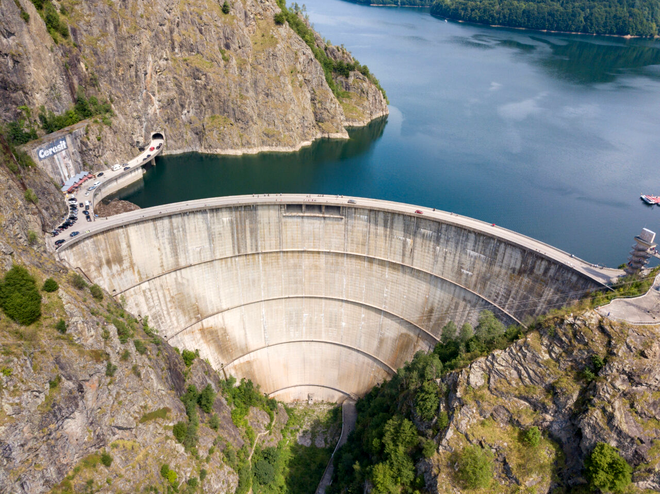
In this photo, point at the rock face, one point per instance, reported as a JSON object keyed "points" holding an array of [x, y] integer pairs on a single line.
{"points": [[114, 207], [212, 82], [540, 381]]}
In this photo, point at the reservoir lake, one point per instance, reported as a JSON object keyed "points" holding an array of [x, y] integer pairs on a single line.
{"points": [[553, 136]]}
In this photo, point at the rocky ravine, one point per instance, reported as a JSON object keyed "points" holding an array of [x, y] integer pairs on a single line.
{"points": [[539, 381], [213, 82]]}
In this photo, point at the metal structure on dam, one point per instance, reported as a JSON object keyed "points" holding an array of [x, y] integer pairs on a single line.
{"points": [[315, 294]]}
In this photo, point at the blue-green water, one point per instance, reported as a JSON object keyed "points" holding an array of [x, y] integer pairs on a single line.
{"points": [[554, 136]]}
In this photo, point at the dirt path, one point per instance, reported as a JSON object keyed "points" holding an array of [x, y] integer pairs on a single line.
{"points": [[348, 419]]}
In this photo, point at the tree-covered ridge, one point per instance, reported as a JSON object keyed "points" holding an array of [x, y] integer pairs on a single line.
{"points": [[398, 3], [613, 17]]}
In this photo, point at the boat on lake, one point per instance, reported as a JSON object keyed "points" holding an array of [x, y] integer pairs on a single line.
{"points": [[650, 199]]}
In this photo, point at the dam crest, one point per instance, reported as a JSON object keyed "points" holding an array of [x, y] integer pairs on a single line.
{"points": [[319, 295]]}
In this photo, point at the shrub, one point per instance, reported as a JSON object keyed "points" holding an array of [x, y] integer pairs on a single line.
{"points": [[126, 355], [202, 474], [61, 326], [225, 7], [606, 469], [96, 292], [164, 470], [280, 18], [188, 357], [214, 422], [443, 420], [50, 285], [206, 399], [192, 482], [78, 281], [475, 469], [532, 437], [19, 297], [106, 459], [110, 369], [32, 237], [140, 346], [30, 196]]}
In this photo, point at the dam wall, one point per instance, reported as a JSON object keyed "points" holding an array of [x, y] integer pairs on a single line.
{"points": [[322, 299], [111, 186]]}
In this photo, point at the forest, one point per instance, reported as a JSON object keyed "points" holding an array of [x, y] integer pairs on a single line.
{"points": [[612, 17]]}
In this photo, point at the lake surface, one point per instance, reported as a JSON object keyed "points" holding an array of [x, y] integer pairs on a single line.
{"points": [[553, 136]]}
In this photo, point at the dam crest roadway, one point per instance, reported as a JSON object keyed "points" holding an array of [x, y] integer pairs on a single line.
{"points": [[321, 295]]}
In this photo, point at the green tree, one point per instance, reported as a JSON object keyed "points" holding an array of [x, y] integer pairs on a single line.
{"points": [[264, 472], [427, 400], [225, 7], [606, 469], [383, 480], [188, 357], [466, 333], [110, 369], [206, 399], [19, 297], [449, 332], [475, 468], [50, 285], [489, 327], [140, 346], [179, 430], [214, 422], [78, 281]]}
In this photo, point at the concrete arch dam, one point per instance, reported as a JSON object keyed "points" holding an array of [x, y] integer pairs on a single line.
{"points": [[317, 295]]}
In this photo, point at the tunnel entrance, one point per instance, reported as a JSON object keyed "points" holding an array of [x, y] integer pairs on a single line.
{"points": [[157, 135]]}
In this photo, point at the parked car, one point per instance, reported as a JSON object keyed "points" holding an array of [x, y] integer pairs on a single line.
{"points": [[80, 205], [158, 147], [151, 148], [86, 213], [89, 218], [417, 211], [351, 201], [100, 174], [73, 234], [59, 242], [127, 168]]}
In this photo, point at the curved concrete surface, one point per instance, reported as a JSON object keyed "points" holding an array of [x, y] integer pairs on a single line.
{"points": [[306, 294]]}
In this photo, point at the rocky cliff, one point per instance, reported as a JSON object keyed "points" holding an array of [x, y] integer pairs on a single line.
{"points": [[542, 381], [211, 81]]}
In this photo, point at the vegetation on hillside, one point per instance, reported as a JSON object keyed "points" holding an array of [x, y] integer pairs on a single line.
{"points": [[296, 19], [19, 296], [614, 17]]}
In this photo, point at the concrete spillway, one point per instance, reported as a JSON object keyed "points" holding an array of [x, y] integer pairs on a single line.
{"points": [[326, 297]]}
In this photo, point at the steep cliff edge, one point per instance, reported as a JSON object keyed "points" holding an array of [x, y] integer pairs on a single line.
{"points": [[213, 82]]}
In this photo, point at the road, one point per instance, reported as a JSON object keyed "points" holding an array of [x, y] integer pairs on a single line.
{"points": [[598, 273], [348, 420], [84, 194], [642, 310]]}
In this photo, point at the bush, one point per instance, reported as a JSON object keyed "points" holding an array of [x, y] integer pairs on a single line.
{"points": [[61, 326], [78, 281], [427, 400], [280, 18], [225, 7], [32, 237], [96, 292], [140, 346], [214, 422], [19, 296], [475, 469], [532, 437], [443, 420], [30, 196], [179, 430], [192, 482], [125, 356], [164, 470], [50, 285], [110, 369], [202, 474], [206, 399], [188, 357], [606, 469], [106, 459]]}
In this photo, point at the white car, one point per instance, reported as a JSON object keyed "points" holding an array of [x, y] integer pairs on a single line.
{"points": [[86, 193], [96, 184]]}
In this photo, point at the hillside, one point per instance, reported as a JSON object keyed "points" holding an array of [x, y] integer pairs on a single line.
{"points": [[621, 18], [217, 77], [530, 416]]}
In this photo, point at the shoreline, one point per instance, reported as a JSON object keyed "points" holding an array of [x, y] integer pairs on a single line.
{"points": [[548, 31]]}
